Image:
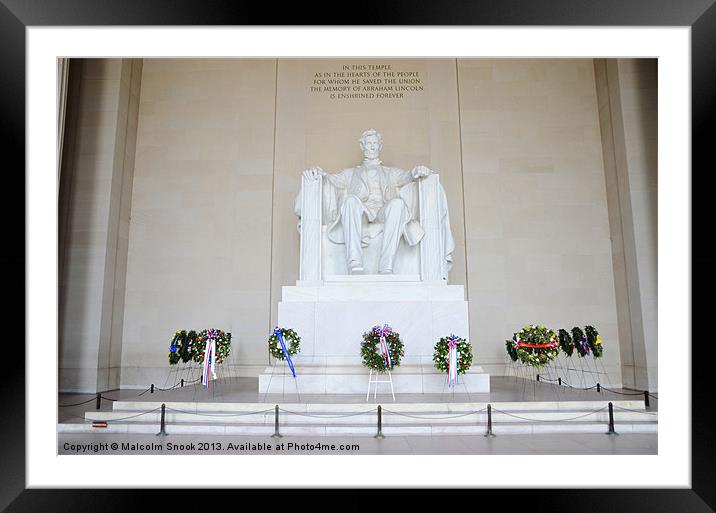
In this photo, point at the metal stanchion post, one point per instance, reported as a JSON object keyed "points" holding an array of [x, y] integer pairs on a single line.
{"points": [[182, 382], [380, 434], [646, 398], [489, 421], [276, 433], [99, 401], [599, 388], [537, 377], [162, 425], [151, 388], [559, 381], [611, 421]]}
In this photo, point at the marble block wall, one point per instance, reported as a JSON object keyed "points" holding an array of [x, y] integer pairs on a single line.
{"points": [[220, 146], [200, 238], [536, 219]]}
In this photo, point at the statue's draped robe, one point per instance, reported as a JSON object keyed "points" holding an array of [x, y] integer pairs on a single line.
{"points": [[394, 183]]}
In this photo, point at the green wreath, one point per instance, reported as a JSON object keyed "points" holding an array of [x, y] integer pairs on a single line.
{"points": [[580, 342], [565, 342], [290, 338], [372, 357], [222, 340], [511, 350], [594, 341], [189, 349], [535, 345], [464, 354], [176, 346]]}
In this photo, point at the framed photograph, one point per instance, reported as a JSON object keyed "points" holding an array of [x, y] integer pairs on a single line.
{"points": [[360, 254]]}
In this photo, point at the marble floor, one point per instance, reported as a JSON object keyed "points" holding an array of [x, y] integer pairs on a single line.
{"points": [[580, 444], [246, 390]]}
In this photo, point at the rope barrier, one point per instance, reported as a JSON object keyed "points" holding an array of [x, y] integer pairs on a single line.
{"points": [[76, 404], [637, 411], [219, 414], [329, 416], [629, 393], [551, 420], [434, 418], [130, 417], [622, 393]]}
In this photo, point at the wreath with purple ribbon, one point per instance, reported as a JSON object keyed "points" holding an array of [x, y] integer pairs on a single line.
{"points": [[370, 352], [580, 341], [222, 340], [442, 350]]}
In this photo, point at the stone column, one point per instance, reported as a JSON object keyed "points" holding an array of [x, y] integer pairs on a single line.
{"points": [[627, 98], [94, 199], [63, 71]]}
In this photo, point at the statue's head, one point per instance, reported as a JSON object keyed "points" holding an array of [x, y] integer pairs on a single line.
{"points": [[371, 143]]}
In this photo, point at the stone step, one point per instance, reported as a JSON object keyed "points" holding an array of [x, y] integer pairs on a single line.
{"points": [[318, 368], [369, 418], [445, 408], [362, 430]]}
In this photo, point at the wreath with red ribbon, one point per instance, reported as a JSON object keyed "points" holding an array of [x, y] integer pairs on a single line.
{"points": [[534, 345]]}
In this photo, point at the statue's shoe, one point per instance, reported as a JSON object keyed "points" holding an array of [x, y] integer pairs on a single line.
{"points": [[356, 268]]}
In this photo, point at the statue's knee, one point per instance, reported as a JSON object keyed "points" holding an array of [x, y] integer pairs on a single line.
{"points": [[352, 202], [394, 204]]}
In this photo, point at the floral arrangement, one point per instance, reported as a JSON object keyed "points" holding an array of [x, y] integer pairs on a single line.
{"points": [[535, 345], [580, 342], [180, 347], [188, 350], [221, 339], [594, 341], [442, 350], [290, 338], [177, 344], [565, 342], [376, 359], [511, 350]]}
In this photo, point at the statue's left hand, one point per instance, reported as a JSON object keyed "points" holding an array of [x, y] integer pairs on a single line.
{"points": [[420, 172]]}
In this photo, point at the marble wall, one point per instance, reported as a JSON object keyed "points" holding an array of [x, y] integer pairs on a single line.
{"points": [[220, 146], [200, 233], [536, 222]]}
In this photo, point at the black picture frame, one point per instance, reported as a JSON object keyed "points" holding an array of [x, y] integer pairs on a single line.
{"points": [[700, 15]]}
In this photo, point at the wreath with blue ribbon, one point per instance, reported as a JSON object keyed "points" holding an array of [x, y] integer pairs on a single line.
{"points": [[290, 338], [180, 347]]}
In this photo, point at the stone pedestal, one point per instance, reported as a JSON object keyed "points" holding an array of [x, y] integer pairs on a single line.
{"points": [[352, 378], [331, 315]]}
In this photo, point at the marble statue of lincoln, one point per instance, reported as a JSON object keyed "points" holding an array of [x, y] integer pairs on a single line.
{"points": [[365, 197]]}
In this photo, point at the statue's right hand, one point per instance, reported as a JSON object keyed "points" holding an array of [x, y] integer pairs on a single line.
{"points": [[314, 173]]}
